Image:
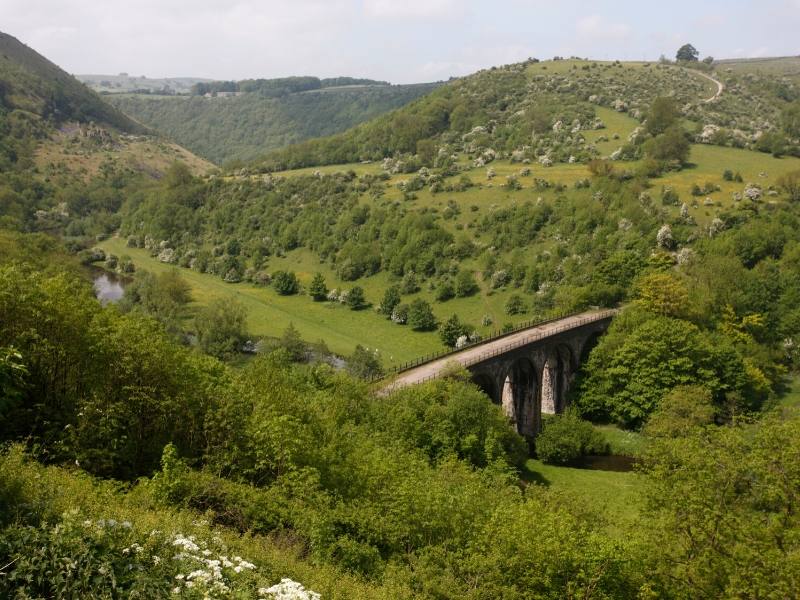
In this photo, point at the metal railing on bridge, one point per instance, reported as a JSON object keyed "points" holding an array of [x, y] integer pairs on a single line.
{"points": [[496, 335]]}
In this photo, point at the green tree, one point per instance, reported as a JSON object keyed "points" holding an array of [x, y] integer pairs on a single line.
{"points": [[515, 305], [466, 284], [445, 291], [662, 115], [420, 316], [681, 409], [293, 344], [790, 118], [663, 294], [687, 53], [391, 298], [318, 290], [718, 498], [670, 146], [789, 184], [565, 438], [220, 327], [163, 296], [364, 364], [451, 330], [356, 299], [285, 283], [629, 372]]}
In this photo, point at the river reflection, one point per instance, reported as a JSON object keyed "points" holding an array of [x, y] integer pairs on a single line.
{"points": [[108, 287]]}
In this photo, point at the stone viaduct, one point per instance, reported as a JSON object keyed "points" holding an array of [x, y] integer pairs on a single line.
{"points": [[528, 371]]}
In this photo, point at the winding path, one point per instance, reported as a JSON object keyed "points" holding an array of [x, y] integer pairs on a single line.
{"points": [[720, 87]]}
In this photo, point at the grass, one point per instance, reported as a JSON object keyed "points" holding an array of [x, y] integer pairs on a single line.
{"points": [[621, 441], [59, 154], [613, 495], [707, 165], [269, 313], [789, 401]]}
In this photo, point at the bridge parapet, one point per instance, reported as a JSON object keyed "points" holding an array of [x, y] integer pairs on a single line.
{"points": [[528, 371]]}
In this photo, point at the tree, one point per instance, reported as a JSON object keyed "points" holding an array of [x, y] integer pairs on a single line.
{"points": [[465, 284], [356, 299], [163, 296], [515, 305], [567, 437], [451, 330], [420, 316], [293, 343], [681, 409], [318, 290], [687, 53], [633, 367], [719, 498], [391, 298], [663, 294], [662, 115], [221, 327], [364, 364], [670, 146], [790, 118], [789, 184], [285, 282], [445, 291]]}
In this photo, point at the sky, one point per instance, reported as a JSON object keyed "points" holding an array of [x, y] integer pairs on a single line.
{"points": [[402, 41]]}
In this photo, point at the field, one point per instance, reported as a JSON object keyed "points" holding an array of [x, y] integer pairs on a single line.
{"points": [[613, 495], [342, 329]]}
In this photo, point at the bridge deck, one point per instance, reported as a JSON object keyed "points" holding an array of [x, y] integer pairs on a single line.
{"points": [[480, 352]]}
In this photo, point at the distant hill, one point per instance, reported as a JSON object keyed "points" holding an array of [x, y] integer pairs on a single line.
{"points": [[269, 114], [538, 110], [31, 83], [51, 121], [123, 83]]}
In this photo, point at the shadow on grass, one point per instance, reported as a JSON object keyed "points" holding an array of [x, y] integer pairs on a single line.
{"points": [[530, 476]]}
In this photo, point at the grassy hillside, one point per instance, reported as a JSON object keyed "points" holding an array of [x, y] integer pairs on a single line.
{"points": [[246, 126], [544, 110], [31, 83]]}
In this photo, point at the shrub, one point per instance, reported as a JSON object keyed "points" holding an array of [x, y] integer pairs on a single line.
{"points": [[356, 299], [515, 305], [285, 283], [318, 290], [465, 284], [391, 298], [364, 364], [451, 330], [445, 291], [420, 316], [564, 438]]}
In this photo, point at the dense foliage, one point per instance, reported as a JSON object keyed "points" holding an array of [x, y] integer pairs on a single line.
{"points": [[244, 127]]}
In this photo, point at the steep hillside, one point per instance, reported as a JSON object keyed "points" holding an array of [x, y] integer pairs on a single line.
{"points": [[248, 125], [29, 82], [542, 111], [54, 124]]}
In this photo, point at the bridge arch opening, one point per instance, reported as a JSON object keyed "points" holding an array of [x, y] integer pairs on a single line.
{"points": [[519, 396], [486, 384], [557, 375]]}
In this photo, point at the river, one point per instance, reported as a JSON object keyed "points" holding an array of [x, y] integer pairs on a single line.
{"points": [[108, 286]]}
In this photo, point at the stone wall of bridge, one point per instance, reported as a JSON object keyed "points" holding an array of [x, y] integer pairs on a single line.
{"points": [[535, 378]]}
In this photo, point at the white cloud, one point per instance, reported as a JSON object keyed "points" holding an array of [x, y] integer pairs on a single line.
{"points": [[413, 9]]}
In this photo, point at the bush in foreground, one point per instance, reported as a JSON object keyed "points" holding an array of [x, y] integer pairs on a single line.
{"points": [[565, 438]]}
